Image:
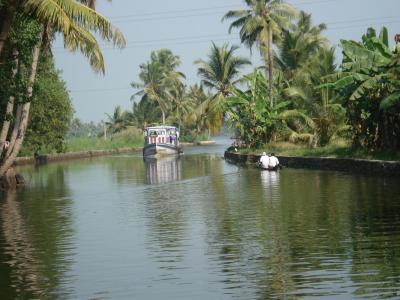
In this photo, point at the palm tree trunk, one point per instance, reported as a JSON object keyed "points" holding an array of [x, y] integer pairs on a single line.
{"points": [[24, 107], [163, 117], [14, 133], [270, 75], [10, 104], [264, 53]]}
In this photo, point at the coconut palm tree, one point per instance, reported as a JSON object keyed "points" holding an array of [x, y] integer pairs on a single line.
{"points": [[220, 73], [157, 78], [181, 104], [75, 21], [119, 120], [299, 45], [326, 116], [262, 23], [197, 119]]}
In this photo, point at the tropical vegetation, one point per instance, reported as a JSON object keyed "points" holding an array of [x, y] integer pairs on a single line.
{"points": [[26, 31], [299, 95]]}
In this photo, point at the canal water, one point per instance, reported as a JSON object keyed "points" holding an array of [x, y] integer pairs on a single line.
{"points": [[198, 228]]}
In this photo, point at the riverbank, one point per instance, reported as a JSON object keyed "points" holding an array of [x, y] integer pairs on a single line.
{"points": [[338, 149], [353, 165]]}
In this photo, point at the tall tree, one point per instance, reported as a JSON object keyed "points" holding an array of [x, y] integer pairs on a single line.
{"points": [[262, 23]]}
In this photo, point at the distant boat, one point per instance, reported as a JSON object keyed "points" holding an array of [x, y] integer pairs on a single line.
{"points": [[161, 140]]}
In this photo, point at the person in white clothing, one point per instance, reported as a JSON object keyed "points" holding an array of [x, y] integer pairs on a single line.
{"points": [[264, 160], [273, 161]]}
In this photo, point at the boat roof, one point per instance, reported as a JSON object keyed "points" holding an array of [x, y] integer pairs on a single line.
{"points": [[160, 127]]}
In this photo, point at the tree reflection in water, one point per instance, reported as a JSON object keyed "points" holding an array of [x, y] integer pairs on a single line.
{"points": [[200, 226], [25, 278], [35, 238]]}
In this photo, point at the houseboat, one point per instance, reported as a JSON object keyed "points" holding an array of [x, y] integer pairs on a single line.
{"points": [[161, 140]]}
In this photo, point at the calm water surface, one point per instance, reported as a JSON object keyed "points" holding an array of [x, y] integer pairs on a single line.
{"points": [[198, 228]]}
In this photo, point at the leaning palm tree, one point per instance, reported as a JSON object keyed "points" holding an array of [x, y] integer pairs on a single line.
{"points": [[220, 73], [75, 21], [70, 17], [261, 24]]}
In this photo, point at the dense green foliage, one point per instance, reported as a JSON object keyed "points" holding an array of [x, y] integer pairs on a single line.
{"points": [[369, 86], [315, 102], [318, 102], [51, 112], [51, 106], [255, 121]]}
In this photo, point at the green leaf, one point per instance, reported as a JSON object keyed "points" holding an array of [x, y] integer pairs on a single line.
{"points": [[390, 101], [383, 36]]}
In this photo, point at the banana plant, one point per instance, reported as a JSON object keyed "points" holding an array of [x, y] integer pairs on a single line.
{"points": [[248, 113], [369, 87]]}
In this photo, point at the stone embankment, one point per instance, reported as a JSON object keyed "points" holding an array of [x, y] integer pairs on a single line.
{"points": [[364, 166]]}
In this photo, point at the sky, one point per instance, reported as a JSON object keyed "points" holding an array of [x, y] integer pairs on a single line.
{"points": [[188, 27]]}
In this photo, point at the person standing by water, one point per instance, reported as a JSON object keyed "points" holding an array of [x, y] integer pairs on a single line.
{"points": [[264, 161]]}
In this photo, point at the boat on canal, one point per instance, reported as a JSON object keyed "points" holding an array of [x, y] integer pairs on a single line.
{"points": [[161, 140]]}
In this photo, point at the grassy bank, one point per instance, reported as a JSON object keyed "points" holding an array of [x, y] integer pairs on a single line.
{"points": [[337, 149], [126, 139]]}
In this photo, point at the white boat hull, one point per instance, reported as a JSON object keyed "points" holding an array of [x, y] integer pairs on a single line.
{"points": [[160, 150]]}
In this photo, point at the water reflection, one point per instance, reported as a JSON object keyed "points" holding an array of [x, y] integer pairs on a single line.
{"points": [[213, 231], [24, 276], [163, 170], [34, 240]]}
